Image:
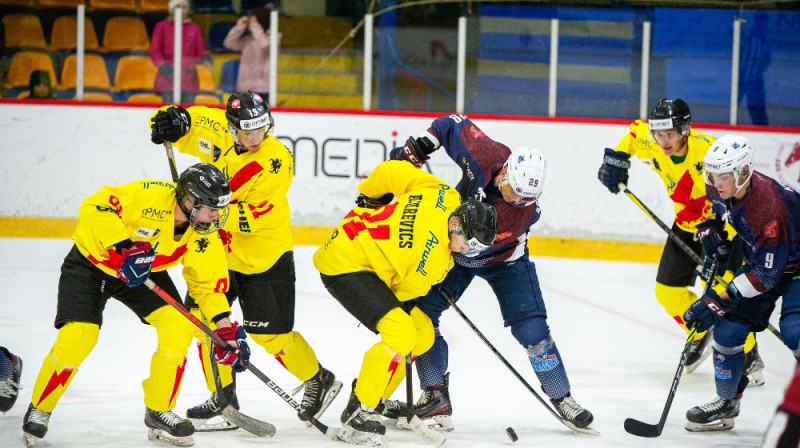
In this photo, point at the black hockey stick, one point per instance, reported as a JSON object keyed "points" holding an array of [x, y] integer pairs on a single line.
{"points": [[331, 433], [414, 422], [641, 429], [685, 247], [173, 168], [514, 371]]}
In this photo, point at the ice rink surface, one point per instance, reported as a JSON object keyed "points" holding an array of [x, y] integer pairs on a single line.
{"points": [[619, 347]]}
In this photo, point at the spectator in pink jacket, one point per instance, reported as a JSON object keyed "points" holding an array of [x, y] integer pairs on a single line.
{"points": [[254, 46], [162, 52]]}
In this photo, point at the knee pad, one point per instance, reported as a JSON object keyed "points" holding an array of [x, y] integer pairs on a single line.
{"points": [[531, 331], [425, 332], [174, 331], [398, 331], [73, 344], [675, 300], [272, 343], [729, 337], [790, 331]]}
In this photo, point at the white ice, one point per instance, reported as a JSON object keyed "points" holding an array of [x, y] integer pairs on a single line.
{"points": [[619, 347]]}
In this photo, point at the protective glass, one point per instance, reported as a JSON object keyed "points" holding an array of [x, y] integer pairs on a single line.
{"points": [[475, 246]]}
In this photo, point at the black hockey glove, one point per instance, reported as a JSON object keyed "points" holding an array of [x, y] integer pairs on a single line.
{"points": [[712, 235], [614, 170], [169, 125], [364, 201], [415, 151]]}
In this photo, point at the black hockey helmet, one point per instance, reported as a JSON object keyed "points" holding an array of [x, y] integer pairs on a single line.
{"points": [[201, 185], [478, 224], [246, 112], [669, 114]]}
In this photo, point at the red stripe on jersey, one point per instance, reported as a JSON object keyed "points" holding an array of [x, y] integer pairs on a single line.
{"points": [[243, 175], [176, 387], [683, 195], [57, 379], [393, 365]]}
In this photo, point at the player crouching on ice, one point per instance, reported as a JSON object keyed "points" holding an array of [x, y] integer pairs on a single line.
{"points": [[766, 216], [384, 254], [125, 235]]}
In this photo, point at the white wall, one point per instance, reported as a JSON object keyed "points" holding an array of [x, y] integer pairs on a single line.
{"points": [[54, 156]]}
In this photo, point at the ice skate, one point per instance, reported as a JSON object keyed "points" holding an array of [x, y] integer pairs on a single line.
{"points": [[572, 412], [360, 424], [207, 416], [433, 407], [167, 426], [9, 387], [34, 425], [391, 410], [716, 415], [754, 368], [698, 351], [320, 391]]}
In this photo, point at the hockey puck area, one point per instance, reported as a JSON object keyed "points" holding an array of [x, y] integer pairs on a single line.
{"points": [[512, 434]]}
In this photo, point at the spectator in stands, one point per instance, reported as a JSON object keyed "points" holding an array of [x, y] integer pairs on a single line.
{"points": [[254, 46], [162, 53], [40, 85]]}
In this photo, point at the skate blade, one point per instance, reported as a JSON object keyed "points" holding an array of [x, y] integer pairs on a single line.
{"points": [[159, 435], [438, 422], [587, 430], [331, 395], [212, 424], [351, 435], [718, 425], [756, 379], [29, 440]]}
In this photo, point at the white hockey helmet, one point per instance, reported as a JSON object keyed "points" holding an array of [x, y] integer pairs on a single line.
{"points": [[525, 171], [730, 154]]}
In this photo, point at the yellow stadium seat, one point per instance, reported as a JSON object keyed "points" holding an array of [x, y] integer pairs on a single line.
{"points": [[135, 73], [65, 34], [28, 3], [207, 100], [23, 31], [95, 75], [23, 95], [97, 96], [121, 5], [24, 62], [60, 3], [152, 98], [125, 34], [153, 6], [205, 79]]}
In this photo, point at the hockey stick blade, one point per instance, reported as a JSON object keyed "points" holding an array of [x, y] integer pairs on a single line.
{"points": [[642, 429], [249, 424], [431, 435]]}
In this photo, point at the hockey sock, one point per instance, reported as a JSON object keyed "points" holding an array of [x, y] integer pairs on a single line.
{"points": [[5, 364], [728, 367], [432, 365], [549, 368], [292, 351]]}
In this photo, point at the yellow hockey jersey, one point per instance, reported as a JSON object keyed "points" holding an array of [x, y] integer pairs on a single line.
{"points": [[259, 229], [684, 181], [405, 243], [144, 211]]}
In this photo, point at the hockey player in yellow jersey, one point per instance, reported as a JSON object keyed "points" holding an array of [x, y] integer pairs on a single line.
{"points": [[384, 253], [667, 144], [258, 238], [126, 235]]}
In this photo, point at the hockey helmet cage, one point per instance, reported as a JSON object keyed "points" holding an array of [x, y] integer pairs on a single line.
{"points": [[478, 224], [201, 185], [730, 154]]}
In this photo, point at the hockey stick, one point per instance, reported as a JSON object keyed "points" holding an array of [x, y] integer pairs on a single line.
{"points": [[514, 371], [173, 168], [685, 247], [412, 421], [330, 432], [641, 429]]}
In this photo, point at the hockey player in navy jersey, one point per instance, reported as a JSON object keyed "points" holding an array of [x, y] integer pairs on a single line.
{"points": [[766, 215], [512, 182]]}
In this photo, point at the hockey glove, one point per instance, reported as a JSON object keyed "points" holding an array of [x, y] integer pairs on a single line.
{"points": [[614, 169], [237, 353], [712, 235], [415, 151], [133, 265], [170, 125], [705, 310], [364, 201]]}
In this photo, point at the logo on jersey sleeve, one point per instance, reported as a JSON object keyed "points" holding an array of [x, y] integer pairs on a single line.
{"points": [[204, 146], [771, 230], [202, 245]]}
